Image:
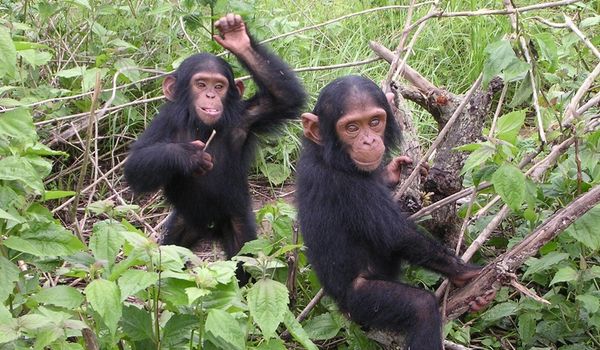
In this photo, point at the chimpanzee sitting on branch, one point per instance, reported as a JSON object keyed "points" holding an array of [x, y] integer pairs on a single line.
{"points": [[208, 188], [354, 231]]}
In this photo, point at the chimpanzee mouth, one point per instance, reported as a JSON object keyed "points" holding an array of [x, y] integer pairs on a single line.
{"points": [[211, 111]]}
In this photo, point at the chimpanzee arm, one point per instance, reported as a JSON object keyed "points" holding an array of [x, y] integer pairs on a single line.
{"points": [[154, 160], [279, 95]]}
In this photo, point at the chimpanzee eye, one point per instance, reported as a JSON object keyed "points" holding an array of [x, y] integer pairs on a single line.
{"points": [[352, 128], [374, 122], [219, 86], [200, 84]]}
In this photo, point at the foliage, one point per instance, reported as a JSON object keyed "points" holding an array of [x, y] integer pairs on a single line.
{"points": [[67, 283]]}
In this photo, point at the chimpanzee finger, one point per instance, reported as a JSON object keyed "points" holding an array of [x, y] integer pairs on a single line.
{"points": [[199, 144], [231, 19]]}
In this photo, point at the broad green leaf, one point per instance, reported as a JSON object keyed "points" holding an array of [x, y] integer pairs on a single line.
{"points": [[17, 124], [44, 337], [8, 54], [267, 301], [105, 298], [478, 157], [35, 58], [590, 22], [322, 327], [89, 78], [50, 195], [590, 302], [548, 49], [469, 147], [72, 72], [585, 229], [82, 3], [63, 296], [500, 311], [131, 71], [122, 43], [9, 217], [276, 173], [523, 93], [224, 331], [9, 274], [527, 325], [194, 293], [272, 344], [296, 330], [256, 246], [9, 331], [566, 274], [546, 262], [178, 329], [499, 55], [34, 321], [516, 71], [46, 240], [133, 281], [28, 45], [509, 183], [15, 168], [137, 323], [106, 241], [509, 126]]}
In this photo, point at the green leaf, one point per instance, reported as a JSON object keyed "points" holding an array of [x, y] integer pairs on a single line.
{"points": [[478, 157], [548, 49], [17, 124], [566, 274], [89, 78], [499, 55], [50, 195], [63, 296], [133, 281], [590, 22], [585, 229], [178, 329], [509, 125], [72, 72], [8, 54], [500, 311], [132, 74], [122, 43], [224, 331], [105, 298], [9, 274], [527, 325], [509, 183], [106, 241], [46, 240], [296, 330], [35, 58], [137, 323], [516, 71], [272, 344], [34, 321], [15, 168], [590, 302], [322, 327], [267, 301], [523, 93], [276, 173], [544, 263]]}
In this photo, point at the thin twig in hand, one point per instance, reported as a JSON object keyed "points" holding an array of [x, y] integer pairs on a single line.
{"points": [[212, 135]]}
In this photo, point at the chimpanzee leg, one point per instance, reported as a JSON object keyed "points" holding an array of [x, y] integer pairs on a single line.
{"points": [[236, 232], [397, 307], [178, 232]]}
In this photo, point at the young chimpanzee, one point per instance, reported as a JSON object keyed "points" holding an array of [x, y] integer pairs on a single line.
{"points": [[355, 233], [209, 188]]}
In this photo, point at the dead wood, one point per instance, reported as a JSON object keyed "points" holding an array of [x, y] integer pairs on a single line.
{"points": [[504, 266]]}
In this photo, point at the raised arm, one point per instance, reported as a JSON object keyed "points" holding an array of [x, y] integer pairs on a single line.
{"points": [[280, 95]]}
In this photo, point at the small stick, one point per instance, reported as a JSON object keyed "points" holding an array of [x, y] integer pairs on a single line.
{"points": [[214, 132]]}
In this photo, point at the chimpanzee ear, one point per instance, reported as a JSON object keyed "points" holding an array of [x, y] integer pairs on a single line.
{"points": [[390, 97], [239, 84], [310, 124], [168, 87]]}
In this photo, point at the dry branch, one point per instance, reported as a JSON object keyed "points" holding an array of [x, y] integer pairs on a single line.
{"points": [[511, 260]]}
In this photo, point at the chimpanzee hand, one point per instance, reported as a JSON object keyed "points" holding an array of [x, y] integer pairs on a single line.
{"points": [[394, 169], [470, 272], [201, 161], [233, 33]]}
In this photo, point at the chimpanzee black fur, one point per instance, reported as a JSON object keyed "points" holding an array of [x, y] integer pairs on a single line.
{"points": [[355, 234], [213, 202]]}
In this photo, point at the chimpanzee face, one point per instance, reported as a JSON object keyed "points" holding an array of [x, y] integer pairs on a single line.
{"points": [[361, 131], [208, 91]]}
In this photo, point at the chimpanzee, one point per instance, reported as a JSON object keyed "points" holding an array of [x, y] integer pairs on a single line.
{"points": [[208, 188], [355, 234]]}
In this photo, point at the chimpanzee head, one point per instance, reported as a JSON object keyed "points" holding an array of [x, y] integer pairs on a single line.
{"points": [[204, 84], [352, 114]]}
